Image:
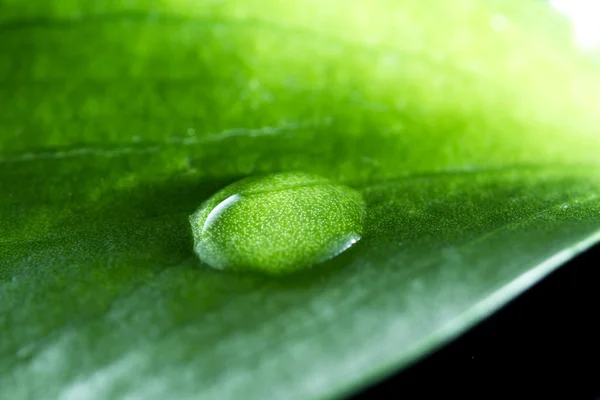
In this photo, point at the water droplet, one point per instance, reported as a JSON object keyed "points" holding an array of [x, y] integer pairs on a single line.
{"points": [[277, 223]]}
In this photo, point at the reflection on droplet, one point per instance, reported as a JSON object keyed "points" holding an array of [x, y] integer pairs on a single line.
{"points": [[277, 223], [216, 212]]}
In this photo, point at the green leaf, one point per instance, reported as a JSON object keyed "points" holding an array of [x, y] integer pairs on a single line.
{"points": [[475, 146]]}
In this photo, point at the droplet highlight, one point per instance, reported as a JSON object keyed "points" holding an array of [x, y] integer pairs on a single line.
{"points": [[277, 223]]}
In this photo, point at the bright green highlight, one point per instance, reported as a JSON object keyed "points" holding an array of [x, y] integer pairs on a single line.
{"points": [[277, 223]]}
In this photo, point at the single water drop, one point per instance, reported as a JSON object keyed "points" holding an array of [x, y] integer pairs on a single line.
{"points": [[277, 223]]}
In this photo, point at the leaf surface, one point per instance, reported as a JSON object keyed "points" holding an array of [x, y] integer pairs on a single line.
{"points": [[475, 148]]}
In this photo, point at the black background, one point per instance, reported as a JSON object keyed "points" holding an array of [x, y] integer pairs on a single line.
{"points": [[544, 344]]}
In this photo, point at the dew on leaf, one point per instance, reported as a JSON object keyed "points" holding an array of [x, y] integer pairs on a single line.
{"points": [[277, 223]]}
